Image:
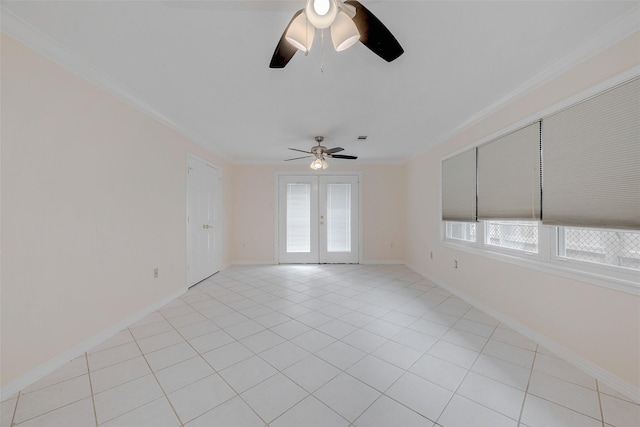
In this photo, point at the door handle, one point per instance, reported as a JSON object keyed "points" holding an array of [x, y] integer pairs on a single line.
{"points": [[206, 226]]}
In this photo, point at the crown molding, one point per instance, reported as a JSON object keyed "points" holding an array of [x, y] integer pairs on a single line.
{"points": [[612, 33], [18, 29]]}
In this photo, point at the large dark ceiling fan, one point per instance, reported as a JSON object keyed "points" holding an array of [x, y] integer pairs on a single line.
{"points": [[348, 21], [319, 152]]}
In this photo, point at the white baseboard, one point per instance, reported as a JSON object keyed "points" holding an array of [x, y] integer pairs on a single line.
{"points": [[382, 262], [261, 262], [46, 368], [364, 262], [623, 387]]}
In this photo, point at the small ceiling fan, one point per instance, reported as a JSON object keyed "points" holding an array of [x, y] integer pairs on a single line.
{"points": [[319, 152], [348, 21]]}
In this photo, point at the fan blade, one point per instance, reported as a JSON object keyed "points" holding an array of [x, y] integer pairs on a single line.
{"points": [[374, 35], [296, 158], [342, 156], [284, 50], [333, 150], [302, 151]]}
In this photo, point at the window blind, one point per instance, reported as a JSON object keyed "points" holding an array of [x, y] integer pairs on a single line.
{"points": [[591, 158], [339, 217], [299, 217], [459, 187], [509, 176]]}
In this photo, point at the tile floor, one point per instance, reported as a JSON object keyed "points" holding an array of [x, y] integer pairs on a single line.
{"points": [[333, 345]]}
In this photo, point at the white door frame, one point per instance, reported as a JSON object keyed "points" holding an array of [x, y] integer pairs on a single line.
{"points": [[218, 201], [278, 174]]}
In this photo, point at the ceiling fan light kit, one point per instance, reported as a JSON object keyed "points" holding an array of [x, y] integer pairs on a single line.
{"points": [[300, 33], [319, 152], [348, 21], [319, 163], [344, 32], [321, 13]]}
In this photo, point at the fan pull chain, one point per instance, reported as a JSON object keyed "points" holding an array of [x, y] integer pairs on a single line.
{"points": [[322, 52], [306, 36]]}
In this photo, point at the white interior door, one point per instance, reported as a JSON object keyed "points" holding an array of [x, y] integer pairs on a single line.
{"points": [[203, 221], [318, 219]]}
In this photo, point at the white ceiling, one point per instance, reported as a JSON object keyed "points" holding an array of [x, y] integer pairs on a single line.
{"points": [[203, 67]]}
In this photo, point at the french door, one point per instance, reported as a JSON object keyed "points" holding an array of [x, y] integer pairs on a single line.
{"points": [[203, 220], [318, 219]]}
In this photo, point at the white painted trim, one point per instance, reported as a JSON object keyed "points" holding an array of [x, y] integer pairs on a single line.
{"points": [[249, 262], [551, 110], [46, 368], [612, 33], [601, 374], [534, 261], [22, 31], [382, 262]]}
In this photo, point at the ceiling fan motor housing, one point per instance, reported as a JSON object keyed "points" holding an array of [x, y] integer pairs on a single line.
{"points": [[318, 150]]}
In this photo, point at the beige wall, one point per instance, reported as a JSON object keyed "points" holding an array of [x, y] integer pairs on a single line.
{"points": [[383, 211], [595, 323], [93, 199]]}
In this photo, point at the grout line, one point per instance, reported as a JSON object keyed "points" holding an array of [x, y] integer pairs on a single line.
{"points": [[93, 401], [465, 377], [214, 369], [558, 404], [15, 409], [526, 391], [600, 402], [156, 378], [335, 340]]}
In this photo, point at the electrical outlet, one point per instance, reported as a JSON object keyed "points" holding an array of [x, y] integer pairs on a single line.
{"points": [[155, 273]]}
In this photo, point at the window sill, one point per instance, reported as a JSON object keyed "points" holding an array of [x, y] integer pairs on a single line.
{"points": [[560, 268]]}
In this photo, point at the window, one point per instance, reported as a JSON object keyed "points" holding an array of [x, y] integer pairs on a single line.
{"points": [[586, 155], [609, 258], [518, 235], [607, 247], [465, 231]]}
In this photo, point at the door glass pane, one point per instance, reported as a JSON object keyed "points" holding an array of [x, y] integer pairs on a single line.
{"points": [[339, 217], [299, 218]]}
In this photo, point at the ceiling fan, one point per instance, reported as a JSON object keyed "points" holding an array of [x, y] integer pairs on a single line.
{"points": [[319, 152], [348, 21]]}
